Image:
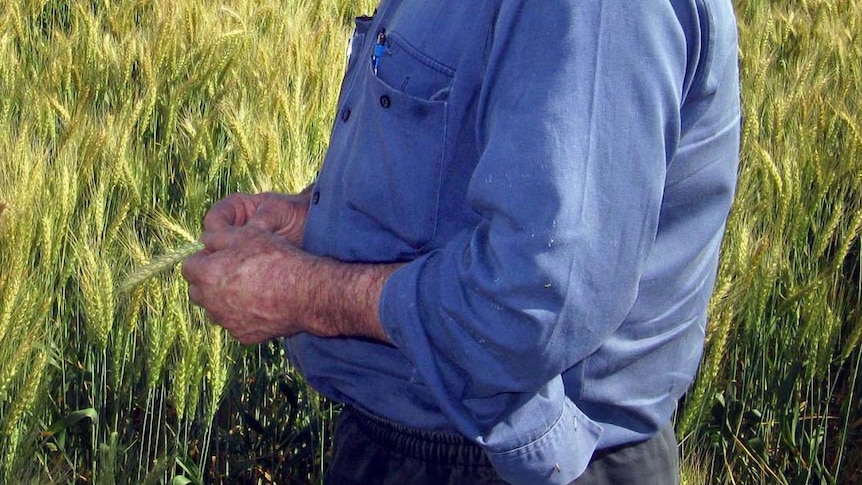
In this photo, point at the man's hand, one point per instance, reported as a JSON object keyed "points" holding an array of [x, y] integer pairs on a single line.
{"points": [[280, 214], [247, 279], [253, 281]]}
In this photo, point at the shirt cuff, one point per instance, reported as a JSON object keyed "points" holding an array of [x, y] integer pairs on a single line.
{"points": [[399, 300], [558, 457]]}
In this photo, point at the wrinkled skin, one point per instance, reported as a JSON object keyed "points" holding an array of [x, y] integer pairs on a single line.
{"points": [[253, 278]]}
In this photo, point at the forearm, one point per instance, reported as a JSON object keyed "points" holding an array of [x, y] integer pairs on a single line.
{"points": [[342, 299]]}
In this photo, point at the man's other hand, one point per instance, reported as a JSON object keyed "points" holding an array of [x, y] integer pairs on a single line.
{"points": [[280, 214]]}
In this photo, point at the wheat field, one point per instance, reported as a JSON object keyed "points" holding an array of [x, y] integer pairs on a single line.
{"points": [[122, 122]]}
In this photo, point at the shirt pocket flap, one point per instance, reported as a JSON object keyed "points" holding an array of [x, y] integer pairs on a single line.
{"points": [[406, 69]]}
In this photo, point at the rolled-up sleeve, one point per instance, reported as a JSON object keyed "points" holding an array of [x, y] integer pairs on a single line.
{"points": [[578, 119]]}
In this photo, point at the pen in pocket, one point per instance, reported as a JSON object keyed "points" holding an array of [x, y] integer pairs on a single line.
{"points": [[379, 49]]}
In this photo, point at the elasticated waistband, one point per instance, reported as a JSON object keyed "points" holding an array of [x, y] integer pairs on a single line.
{"points": [[443, 448]]}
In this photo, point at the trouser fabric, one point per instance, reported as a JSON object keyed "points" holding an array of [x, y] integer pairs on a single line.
{"points": [[370, 450]]}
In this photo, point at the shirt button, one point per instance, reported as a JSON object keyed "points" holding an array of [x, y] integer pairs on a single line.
{"points": [[384, 101], [315, 197], [345, 114]]}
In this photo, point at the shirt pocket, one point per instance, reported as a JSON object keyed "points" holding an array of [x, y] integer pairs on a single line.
{"points": [[392, 176], [411, 71]]}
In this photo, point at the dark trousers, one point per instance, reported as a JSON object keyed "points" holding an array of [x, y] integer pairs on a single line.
{"points": [[372, 451]]}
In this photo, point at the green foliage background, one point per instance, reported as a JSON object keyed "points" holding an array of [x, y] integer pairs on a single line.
{"points": [[121, 122]]}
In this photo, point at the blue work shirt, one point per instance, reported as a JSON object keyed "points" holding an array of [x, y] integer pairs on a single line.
{"points": [[557, 175]]}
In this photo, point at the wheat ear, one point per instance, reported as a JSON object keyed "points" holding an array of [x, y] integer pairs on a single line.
{"points": [[158, 265]]}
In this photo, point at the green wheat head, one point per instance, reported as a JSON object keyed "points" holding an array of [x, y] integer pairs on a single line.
{"points": [[158, 265]]}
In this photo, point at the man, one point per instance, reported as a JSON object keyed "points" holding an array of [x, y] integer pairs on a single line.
{"points": [[504, 265]]}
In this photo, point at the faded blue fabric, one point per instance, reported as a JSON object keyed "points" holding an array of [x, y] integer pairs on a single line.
{"points": [[558, 175]]}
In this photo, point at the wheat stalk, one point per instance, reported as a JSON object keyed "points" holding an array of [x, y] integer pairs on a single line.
{"points": [[217, 370], [158, 265], [9, 372], [159, 336], [15, 422], [96, 282]]}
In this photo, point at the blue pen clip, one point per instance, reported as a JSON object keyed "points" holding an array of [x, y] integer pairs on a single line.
{"points": [[379, 50]]}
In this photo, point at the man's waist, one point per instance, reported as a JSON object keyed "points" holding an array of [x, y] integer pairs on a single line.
{"points": [[378, 379]]}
